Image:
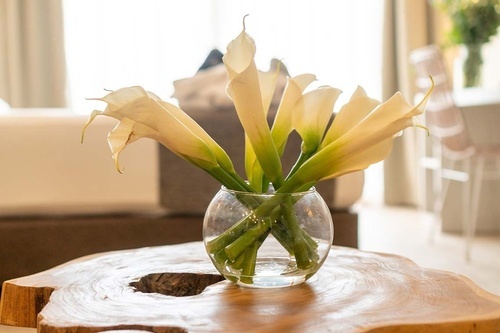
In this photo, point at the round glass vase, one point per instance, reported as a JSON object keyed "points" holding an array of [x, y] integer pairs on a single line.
{"points": [[268, 240]]}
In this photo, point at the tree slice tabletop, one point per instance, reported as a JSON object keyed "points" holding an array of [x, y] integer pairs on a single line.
{"points": [[176, 289]]}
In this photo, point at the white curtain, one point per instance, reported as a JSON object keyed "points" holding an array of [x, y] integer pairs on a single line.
{"points": [[116, 43], [407, 26], [32, 65]]}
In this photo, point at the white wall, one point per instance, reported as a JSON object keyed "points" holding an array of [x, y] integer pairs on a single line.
{"points": [[44, 169], [491, 65], [491, 70]]}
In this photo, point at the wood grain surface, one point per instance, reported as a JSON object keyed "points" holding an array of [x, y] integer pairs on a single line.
{"points": [[176, 289]]}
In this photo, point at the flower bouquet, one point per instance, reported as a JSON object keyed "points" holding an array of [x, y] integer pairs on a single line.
{"points": [[361, 134]]}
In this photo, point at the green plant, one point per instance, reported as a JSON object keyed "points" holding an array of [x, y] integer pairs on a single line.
{"points": [[474, 22]]}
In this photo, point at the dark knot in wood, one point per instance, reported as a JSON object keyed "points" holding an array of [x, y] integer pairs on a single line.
{"points": [[176, 284]]}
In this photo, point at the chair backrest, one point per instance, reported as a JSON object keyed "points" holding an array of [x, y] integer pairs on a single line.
{"points": [[443, 118]]}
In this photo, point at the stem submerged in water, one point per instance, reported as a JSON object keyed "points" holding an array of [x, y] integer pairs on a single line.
{"points": [[237, 247]]}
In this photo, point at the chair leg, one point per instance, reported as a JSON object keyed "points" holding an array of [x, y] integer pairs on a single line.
{"points": [[470, 229], [437, 192], [466, 205], [437, 208], [441, 190]]}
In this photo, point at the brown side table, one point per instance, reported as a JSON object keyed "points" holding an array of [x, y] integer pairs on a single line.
{"points": [[175, 289]]}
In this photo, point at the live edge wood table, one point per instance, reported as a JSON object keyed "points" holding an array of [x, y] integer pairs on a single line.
{"points": [[175, 289]]}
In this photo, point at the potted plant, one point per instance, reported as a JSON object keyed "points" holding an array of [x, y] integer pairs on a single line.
{"points": [[473, 25]]}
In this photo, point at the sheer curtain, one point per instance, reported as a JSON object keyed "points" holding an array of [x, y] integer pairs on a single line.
{"points": [[32, 65], [115, 43], [408, 25]]}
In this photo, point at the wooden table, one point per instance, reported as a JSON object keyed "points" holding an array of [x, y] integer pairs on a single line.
{"points": [[175, 289]]}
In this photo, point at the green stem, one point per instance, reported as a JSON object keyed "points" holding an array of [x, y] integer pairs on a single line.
{"points": [[250, 259], [227, 237], [270, 207], [302, 158], [231, 180], [299, 245], [237, 247], [246, 186], [233, 233]]}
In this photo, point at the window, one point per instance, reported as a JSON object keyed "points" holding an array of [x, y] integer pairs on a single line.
{"points": [[115, 43]]}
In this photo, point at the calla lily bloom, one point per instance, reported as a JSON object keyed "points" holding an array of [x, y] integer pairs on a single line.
{"points": [[358, 107], [291, 99], [358, 145], [143, 114], [255, 174], [311, 120], [244, 90]]}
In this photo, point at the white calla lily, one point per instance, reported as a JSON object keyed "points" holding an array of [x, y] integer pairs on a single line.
{"points": [[282, 125], [358, 107], [367, 142], [255, 174], [291, 99], [143, 114], [244, 90], [311, 120]]}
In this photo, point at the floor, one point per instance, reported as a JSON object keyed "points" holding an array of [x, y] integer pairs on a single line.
{"points": [[406, 231]]}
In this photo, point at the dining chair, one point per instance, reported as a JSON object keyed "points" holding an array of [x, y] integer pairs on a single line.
{"points": [[455, 156]]}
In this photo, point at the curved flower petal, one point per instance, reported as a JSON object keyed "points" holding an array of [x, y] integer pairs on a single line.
{"points": [[292, 96], [132, 102], [282, 125], [148, 118], [360, 161], [267, 82], [244, 89], [220, 154], [124, 133], [386, 120], [367, 142], [255, 174], [358, 107], [311, 120]]}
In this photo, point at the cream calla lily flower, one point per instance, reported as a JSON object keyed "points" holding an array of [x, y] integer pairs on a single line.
{"points": [[143, 114], [311, 120], [255, 174], [362, 144], [126, 132], [358, 107], [244, 90], [267, 83], [290, 101]]}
